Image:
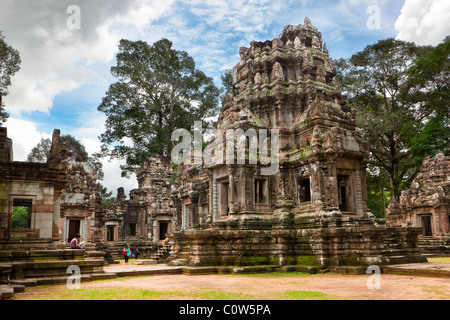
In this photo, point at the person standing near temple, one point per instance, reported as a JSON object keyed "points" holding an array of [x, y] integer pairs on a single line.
{"points": [[126, 252], [136, 253]]}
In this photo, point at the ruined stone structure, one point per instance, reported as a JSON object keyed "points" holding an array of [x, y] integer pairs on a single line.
{"points": [[147, 216], [81, 205], [35, 187], [426, 204], [44, 205], [32, 211], [154, 178], [310, 211], [6, 152]]}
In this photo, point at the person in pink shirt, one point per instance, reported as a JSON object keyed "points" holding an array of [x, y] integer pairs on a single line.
{"points": [[75, 243]]}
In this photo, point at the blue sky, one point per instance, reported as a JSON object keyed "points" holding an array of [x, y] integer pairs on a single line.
{"points": [[65, 73]]}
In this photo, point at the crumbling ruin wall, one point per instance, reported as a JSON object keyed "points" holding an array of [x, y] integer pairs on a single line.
{"points": [[81, 205], [37, 187], [426, 204], [144, 219]]}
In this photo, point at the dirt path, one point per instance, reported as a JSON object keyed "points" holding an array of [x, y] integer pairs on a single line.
{"points": [[392, 287]]}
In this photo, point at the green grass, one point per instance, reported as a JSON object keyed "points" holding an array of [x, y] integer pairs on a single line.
{"points": [[140, 294], [441, 294], [273, 274], [439, 260], [103, 294], [62, 293], [306, 295]]}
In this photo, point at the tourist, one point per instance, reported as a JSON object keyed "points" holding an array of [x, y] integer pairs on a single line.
{"points": [[75, 243], [136, 253], [126, 252]]}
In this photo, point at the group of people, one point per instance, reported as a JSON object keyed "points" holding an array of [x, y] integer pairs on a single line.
{"points": [[76, 244], [127, 253]]}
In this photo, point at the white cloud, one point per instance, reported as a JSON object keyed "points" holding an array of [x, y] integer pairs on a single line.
{"points": [[94, 125], [56, 59], [424, 22], [25, 136]]}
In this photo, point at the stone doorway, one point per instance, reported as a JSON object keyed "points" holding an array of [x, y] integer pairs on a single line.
{"points": [[74, 229], [163, 229], [304, 190], [426, 224], [110, 232], [223, 197]]}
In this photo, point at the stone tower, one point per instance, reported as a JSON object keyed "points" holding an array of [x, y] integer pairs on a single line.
{"points": [[311, 207]]}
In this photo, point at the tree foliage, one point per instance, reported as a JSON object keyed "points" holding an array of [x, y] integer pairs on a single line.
{"points": [[158, 90], [227, 80], [428, 87], [40, 152], [106, 196], [19, 217], [384, 84], [9, 65]]}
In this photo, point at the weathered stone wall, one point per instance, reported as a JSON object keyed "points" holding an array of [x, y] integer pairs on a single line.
{"points": [[81, 202], [40, 186], [148, 209], [331, 241], [428, 196], [6, 150]]}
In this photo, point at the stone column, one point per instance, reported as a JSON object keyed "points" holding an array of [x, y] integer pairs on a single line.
{"points": [[358, 194], [231, 195]]}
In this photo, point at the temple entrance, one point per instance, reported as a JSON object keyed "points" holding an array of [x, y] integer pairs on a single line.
{"points": [[342, 193], [223, 198], [304, 190], [74, 229], [110, 231], [426, 225], [163, 229]]}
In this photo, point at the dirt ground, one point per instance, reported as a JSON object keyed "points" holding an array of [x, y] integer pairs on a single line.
{"points": [[392, 287]]}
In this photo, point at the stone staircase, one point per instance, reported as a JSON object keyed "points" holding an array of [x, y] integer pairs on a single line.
{"points": [[162, 252], [434, 246], [396, 248], [20, 268]]}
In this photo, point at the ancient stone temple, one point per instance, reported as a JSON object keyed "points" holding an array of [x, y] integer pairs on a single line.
{"points": [[37, 207], [145, 218], [305, 202], [426, 204], [81, 205], [35, 189]]}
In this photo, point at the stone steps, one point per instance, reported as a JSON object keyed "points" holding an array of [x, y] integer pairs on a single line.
{"points": [[7, 291], [31, 269], [31, 282], [162, 252]]}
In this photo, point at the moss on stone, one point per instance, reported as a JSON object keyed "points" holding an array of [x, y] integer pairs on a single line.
{"points": [[307, 260]]}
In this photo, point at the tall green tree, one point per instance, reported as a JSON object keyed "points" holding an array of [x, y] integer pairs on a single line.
{"points": [[428, 87], [227, 81], [158, 90], [375, 80], [9, 65]]}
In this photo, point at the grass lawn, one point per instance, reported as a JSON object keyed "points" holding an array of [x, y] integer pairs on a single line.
{"points": [[439, 260], [61, 292]]}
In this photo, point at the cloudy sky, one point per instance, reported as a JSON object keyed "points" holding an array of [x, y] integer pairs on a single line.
{"points": [[67, 48]]}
